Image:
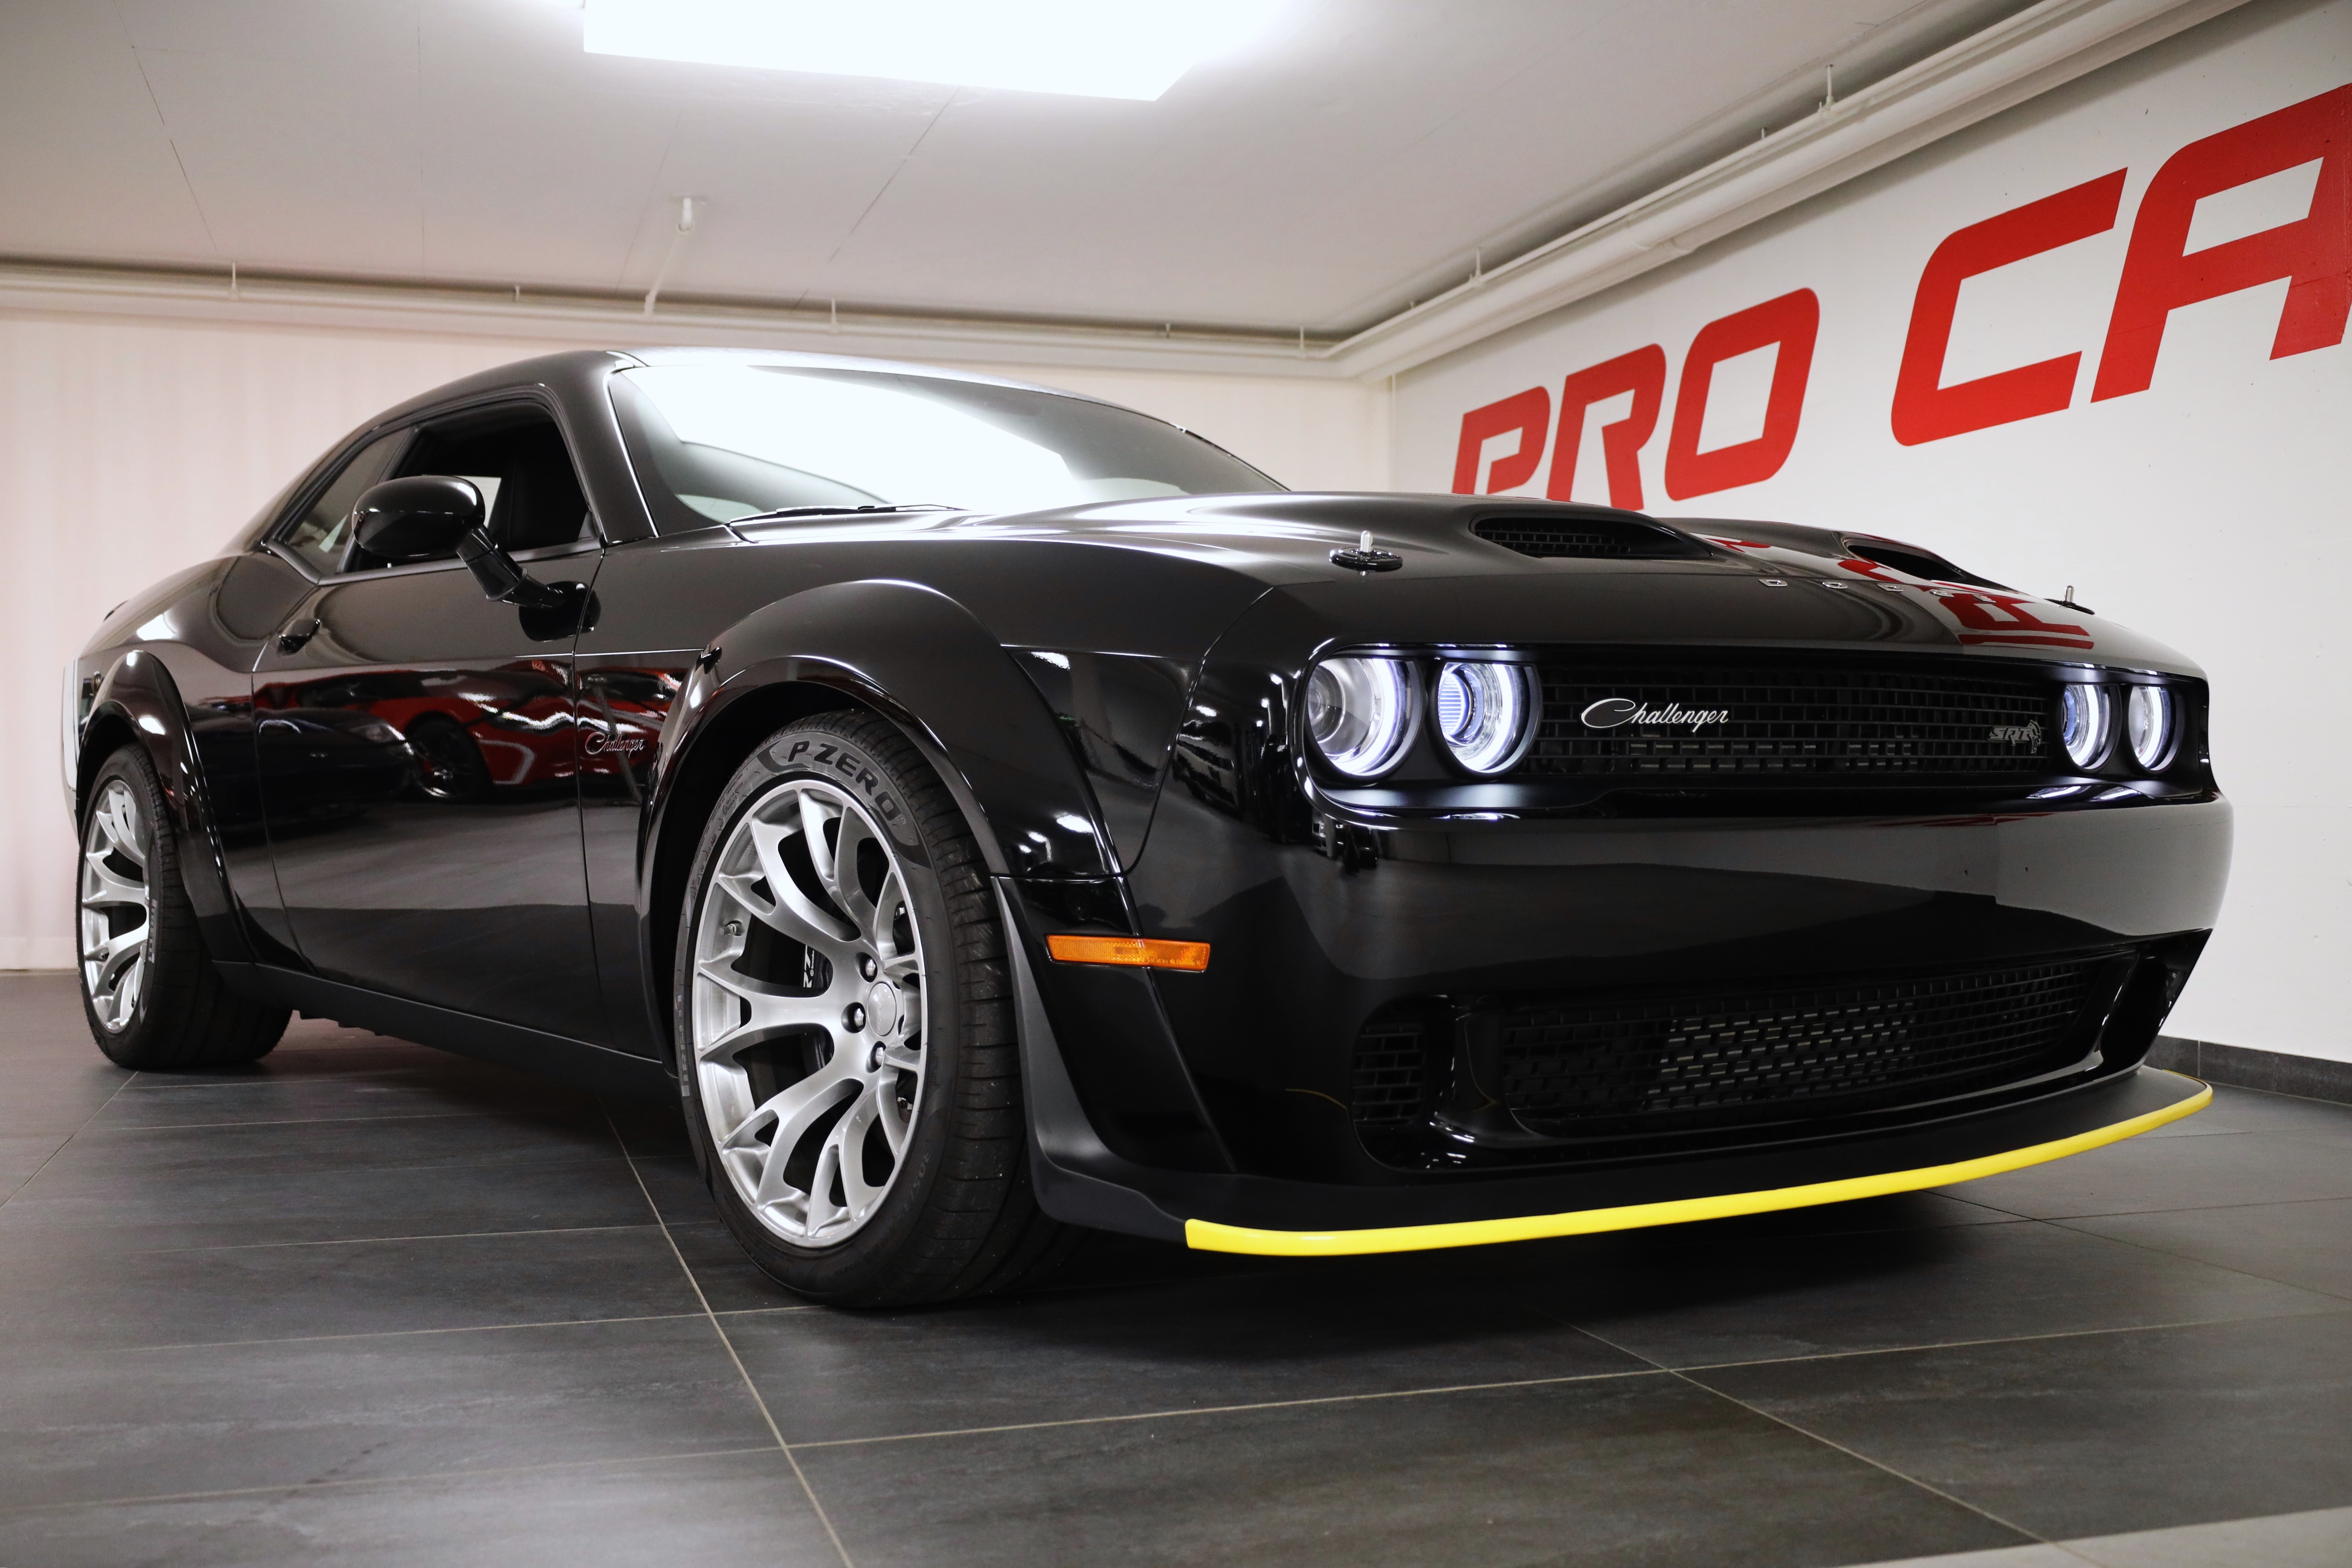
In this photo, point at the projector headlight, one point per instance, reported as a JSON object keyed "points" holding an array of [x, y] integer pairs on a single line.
{"points": [[1484, 713], [2083, 713], [1360, 713], [2148, 721]]}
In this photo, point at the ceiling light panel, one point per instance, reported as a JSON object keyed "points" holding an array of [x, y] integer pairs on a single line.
{"points": [[1131, 49]]}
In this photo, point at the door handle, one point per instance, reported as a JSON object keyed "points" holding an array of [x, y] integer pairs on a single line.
{"points": [[297, 633]]}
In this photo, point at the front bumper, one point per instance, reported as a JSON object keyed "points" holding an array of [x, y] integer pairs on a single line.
{"points": [[1215, 1108], [1081, 1181]]}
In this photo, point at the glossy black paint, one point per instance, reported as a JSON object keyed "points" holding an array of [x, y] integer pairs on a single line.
{"points": [[416, 761], [1112, 694]]}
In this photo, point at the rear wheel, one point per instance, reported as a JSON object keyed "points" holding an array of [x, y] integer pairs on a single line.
{"points": [[845, 1028], [153, 997]]}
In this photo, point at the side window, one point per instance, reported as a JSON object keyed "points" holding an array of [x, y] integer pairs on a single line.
{"points": [[519, 462], [322, 534]]}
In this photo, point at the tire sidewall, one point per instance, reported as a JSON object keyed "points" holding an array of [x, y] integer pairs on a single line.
{"points": [[817, 749]]}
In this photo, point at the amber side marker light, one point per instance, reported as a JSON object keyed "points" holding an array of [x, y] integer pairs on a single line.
{"points": [[1136, 952]]}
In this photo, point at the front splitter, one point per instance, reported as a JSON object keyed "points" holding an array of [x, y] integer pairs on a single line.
{"points": [[1208, 1235]]}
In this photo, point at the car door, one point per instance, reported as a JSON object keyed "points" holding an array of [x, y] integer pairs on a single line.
{"points": [[416, 754]]}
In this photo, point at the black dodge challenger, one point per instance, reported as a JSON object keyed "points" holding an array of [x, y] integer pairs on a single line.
{"points": [[995, 813]]}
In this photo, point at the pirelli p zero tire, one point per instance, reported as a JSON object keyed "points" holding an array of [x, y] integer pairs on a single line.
{"points": [[153, 997], [844, 1027]]}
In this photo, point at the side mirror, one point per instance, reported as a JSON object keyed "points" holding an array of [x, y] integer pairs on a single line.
{"points": [[429, 517], [420, 518]]}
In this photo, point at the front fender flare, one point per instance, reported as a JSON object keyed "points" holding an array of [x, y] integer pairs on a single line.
{"points": [[916, 655]]}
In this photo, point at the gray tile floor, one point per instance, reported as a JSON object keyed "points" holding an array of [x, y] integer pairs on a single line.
{"points": [[368, 1303]]}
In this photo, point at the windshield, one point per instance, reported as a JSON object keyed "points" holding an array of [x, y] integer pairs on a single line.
{"points": [[720, 442]]}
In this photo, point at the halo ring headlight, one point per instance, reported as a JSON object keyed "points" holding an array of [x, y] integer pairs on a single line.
{"points": [[2085, 713], [1360, 713], [2150, 723], [1486, 713]]}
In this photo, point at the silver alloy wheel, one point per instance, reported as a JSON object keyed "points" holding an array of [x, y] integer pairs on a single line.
{"points": [[118, 907], [808, 1013]]}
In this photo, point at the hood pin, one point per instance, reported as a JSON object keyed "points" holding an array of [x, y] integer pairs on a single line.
{"points": [[1364, 558]]}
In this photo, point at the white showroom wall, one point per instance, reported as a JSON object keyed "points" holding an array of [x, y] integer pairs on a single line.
{"points": [[133, 444], [2208, 505]]}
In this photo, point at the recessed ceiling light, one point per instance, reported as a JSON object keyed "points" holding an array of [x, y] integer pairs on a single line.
{"points": [[1094, 49]]}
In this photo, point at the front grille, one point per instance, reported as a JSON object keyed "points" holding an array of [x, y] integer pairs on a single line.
{"points": [[1586, 539], [1580, 1066], [1822, 722], [1633, 1063]]}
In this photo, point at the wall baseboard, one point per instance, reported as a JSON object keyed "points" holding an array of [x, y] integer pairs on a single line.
{"points": [[2242, 1067]]}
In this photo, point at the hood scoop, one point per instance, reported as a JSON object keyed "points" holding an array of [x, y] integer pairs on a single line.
{"points": [[1917, 562], [1589, 538]]}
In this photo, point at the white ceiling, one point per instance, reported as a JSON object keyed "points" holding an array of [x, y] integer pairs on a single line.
{"points": [[1351, 160]]}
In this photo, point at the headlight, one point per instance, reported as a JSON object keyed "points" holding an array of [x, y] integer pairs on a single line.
{"points": [[1483, 713], [2082, 723], [1360, 712], [376, 729], [2147, 718]]}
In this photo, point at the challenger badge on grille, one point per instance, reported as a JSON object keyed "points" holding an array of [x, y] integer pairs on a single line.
{"points": [[1611, 711], [2026, 734]]}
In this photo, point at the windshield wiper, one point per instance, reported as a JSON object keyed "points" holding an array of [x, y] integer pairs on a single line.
{"points": [[841, 511]]}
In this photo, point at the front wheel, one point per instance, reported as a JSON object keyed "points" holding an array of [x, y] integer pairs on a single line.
{"points": [[153, 997], [845, 1039]]}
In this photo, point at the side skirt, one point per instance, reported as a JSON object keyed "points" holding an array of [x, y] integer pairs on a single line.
{"points": [[593, 1068]]}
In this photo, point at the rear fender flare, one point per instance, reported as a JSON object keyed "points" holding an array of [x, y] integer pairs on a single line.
{"points": [[137, 694]]}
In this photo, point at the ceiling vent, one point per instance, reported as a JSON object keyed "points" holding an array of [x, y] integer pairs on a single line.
{"points": [[1588, 539]]}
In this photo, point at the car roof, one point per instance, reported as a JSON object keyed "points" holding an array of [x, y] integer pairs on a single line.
{"points": [[578, 370]]}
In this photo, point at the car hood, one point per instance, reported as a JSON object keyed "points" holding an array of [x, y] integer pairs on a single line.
{"points": [[1702, 581]]}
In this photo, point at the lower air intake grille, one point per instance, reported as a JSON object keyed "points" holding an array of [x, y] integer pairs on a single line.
{"points": [[1774, 717], [1395, 1078], [1572, 1067], [1633, 1063]]}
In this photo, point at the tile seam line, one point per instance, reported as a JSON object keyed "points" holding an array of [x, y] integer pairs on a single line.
{"points": [[1683, 1377], [2207, 1263], [26, 1185], [1882, 1467], [2002, 1340], [296, 1488], [302, 1122], [759, 1401], [231, 1168], [397, 1333], [1233, 1409], [359, 1240], [1908, 1480], [2187, 1208], [307, 1047]]}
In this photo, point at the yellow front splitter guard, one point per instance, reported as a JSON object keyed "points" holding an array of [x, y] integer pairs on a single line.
{"points": [[1207, 1235]]}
